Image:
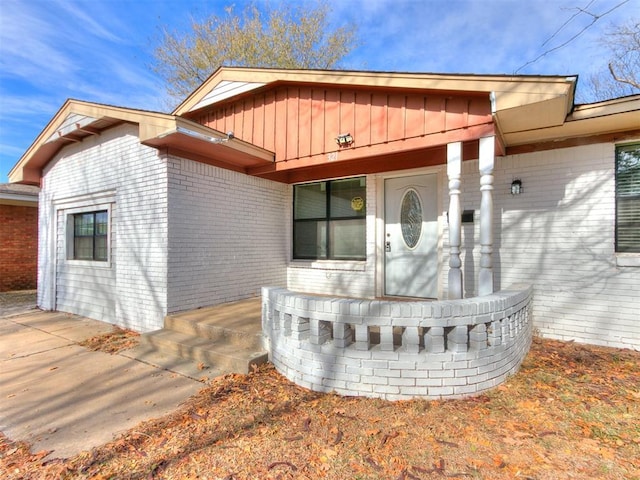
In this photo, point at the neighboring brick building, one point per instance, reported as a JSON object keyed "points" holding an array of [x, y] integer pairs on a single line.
{"points": [[18, 237]]}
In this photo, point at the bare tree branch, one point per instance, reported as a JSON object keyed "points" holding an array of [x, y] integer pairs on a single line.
{"points": [[287, 36], [564, 44], [620, 74], [622, 80]]}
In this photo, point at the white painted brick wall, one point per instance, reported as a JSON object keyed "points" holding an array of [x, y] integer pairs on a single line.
{"points": [[131, 290], [471, 364], [231, 234], [228, 234], [557, 235]]}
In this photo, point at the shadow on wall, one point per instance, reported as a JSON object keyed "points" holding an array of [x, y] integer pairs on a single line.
{"points": [[127, 291], [468, 259], [140, 252], [559, 236]]}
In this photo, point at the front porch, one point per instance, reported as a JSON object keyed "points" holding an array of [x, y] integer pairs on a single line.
{"points": [[398, 350], [225, 338], [391, 349]]}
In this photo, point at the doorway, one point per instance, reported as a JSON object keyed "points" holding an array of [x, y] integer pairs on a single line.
{"points": [[411, 236]]}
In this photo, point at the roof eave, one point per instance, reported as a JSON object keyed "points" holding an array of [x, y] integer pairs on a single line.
{"points": [[156, 129], [19, 200], [205, 144], [609, 117], [510, 90], [60, 132]]}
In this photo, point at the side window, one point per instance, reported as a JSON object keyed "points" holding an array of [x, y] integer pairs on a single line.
{"points": [[628, 198], [329, 220], [90, 231]]}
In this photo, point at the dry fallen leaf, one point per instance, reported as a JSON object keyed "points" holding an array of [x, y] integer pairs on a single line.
{"points": [[240, 425]]}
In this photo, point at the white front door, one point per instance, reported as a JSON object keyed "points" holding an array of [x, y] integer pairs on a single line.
{"points": [[411, 236]]}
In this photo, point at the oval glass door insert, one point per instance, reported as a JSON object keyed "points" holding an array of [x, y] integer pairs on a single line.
{"points": [[411, 218]]}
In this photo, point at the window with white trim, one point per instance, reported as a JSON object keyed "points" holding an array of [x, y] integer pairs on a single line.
{"points": [[329, 220], [90, 236], [628, 198]]}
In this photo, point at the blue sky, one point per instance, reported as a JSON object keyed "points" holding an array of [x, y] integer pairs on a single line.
{"points": [[101, 50]]}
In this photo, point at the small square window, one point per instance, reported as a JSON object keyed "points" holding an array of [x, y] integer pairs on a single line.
{"points": [[90, 231]]}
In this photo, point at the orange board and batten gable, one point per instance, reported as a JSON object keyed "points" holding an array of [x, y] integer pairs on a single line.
{"points": [[391, 129]]}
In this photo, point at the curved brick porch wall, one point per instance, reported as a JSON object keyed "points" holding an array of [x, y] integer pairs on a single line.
{"points": [[394, 349]]}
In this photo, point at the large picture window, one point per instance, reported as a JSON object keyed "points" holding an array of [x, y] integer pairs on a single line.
{"points": [[329, 220], [90, 232], [628, 198]]}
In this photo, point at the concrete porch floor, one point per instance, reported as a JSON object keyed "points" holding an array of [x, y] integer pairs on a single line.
{"points": [[219, 339], [243, 316]]}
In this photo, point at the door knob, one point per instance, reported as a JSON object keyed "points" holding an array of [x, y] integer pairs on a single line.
{"points": [[387, 246]]}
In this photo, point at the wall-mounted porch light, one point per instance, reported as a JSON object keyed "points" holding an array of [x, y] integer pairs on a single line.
{"points": [[344, 140], [516, 187]]}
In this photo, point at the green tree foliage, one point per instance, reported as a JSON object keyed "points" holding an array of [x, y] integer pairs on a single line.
{"points": [[288, 36]]}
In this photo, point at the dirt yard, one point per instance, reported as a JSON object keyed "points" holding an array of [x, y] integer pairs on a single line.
{"points": [[570, 413]]}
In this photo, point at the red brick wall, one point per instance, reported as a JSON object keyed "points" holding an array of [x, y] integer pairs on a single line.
{"points": [[18, 247]]}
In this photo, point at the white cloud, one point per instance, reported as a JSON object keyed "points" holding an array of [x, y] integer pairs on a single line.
{"points": [[28, 47], [101, 26], [10, 150], [17, 107]]}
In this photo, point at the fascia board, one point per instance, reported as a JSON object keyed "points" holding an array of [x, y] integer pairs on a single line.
{"points": [[589, 120], [509, 90], [41, 150]]}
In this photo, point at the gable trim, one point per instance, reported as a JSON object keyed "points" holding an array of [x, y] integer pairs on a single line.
{"points": [[76, 120], [226, 89], [510, 91]]}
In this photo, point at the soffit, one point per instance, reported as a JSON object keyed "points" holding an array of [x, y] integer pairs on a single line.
{"points": [[192, 140], [618, 115], [77, 120], [18, 195], [226, 89]]}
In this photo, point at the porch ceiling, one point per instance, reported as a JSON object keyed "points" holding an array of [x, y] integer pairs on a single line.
{"points": [[403, 160]]}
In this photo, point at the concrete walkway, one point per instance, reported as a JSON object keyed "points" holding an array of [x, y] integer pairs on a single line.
{"points": [[61, 397], [16, 302]]}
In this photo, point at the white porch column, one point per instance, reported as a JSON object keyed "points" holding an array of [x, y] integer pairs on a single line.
{"points": [[454, 161], [485, 277]]}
